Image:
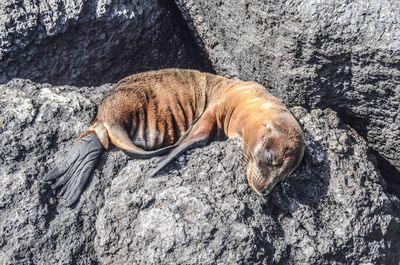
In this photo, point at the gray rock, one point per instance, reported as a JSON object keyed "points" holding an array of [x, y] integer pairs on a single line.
{"points": [[35, 121], [343, 55], [333, 210], [92, 42]]}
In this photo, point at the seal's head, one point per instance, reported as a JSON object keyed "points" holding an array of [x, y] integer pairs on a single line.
{"points": [[274, 153]]}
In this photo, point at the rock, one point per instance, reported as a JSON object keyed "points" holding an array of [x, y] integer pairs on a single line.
{"points": [[35, 121], [333, 209], [343, 55], [92, 42]]}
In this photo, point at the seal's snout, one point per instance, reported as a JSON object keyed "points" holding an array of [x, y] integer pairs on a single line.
{"points": [[259, 191], [256, 180], [263, 180], [265, 192]]}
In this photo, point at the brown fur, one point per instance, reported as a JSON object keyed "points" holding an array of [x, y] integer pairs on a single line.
{"points": [[155, 112]]}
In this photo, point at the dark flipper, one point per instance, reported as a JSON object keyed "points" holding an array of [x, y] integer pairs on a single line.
{"points": [[184, 146], [74, 171]]}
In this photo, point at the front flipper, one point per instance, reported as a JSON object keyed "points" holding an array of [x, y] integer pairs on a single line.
{"points": [[184, 146], [198, 136], [74, 171]]}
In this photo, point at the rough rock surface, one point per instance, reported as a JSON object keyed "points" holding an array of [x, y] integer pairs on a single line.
{"points": [[343, 55], [36, 120], [85, 42], [333, 209]]}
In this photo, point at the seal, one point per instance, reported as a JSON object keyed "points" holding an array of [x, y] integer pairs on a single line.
{"points": [[167, 112]]}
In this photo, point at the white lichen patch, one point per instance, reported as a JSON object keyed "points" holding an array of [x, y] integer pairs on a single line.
{"points": [[53, 95], [16, 107]]}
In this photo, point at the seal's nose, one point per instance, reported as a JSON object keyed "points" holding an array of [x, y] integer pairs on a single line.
{"points": [[256, 181], [264, 192], [261, 191]]}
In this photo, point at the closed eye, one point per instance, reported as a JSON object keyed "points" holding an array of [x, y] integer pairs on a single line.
{"points": [[268, 157]]}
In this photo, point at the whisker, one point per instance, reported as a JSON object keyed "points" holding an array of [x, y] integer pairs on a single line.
{"points": [[248, 151], [256, 172]]}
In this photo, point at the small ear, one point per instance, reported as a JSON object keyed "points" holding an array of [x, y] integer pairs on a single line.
{"points": [[268, 126]]}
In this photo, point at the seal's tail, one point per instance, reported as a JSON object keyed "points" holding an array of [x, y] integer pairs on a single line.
{"points": [[74, 171]]}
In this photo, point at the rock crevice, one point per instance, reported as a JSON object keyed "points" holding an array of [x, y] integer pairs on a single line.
{"points": [[344, 56], [92, 42]]}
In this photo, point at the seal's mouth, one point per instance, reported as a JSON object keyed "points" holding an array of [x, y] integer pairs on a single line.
{"points": [[265, 192], [258, 192], [262, 192], [263, 186], [256, 180]]}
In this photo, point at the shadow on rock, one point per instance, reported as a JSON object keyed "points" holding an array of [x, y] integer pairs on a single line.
{"points": [[93, 42]]}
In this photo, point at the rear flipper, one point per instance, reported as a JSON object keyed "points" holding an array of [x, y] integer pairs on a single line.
{"points": [[120, 139], [74, 171]]}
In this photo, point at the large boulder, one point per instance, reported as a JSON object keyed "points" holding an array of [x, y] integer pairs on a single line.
{"points": [[343, 55], [333, 209], [85, 42], [35, 121]]}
